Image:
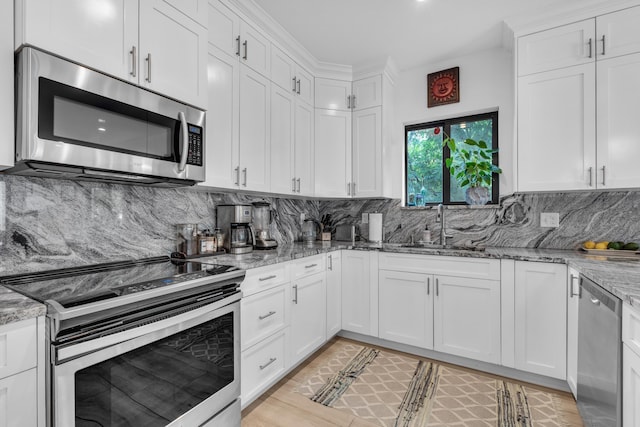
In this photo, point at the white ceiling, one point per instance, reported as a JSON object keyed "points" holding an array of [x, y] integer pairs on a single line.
{"points": [[411, 33]]}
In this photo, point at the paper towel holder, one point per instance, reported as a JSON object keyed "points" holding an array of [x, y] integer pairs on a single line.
{"points": [[375, 227]]}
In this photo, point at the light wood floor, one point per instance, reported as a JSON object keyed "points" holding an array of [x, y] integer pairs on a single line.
{"points": [[280, 406]]}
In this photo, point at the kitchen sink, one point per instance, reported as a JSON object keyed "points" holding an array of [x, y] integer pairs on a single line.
{"points": [[434, 247]]}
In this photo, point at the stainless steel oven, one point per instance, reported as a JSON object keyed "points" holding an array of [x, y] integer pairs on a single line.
{"points": [[160, 346], [74, 122]]}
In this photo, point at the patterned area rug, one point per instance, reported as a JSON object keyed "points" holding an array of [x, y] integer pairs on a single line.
{"points": [[398, 391]]}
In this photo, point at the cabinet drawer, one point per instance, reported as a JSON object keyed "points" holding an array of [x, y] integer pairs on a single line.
{"points": [[262, 364], [631, 327], [308, 266], [260, 279], [477, 268], [263, 314], [19, 400], [18, 347]]}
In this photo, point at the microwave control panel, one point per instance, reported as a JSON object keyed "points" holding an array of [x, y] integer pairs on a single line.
{"points": [[194, 156]]}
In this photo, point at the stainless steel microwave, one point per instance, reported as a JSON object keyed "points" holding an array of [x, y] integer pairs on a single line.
{"points": [[76, 123]]}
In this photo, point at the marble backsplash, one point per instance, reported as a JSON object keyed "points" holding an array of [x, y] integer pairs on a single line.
{"points": [[612, 215], [48, 223]]}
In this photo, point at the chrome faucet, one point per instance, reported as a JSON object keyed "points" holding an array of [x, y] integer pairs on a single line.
{"points": [[441, 219]]}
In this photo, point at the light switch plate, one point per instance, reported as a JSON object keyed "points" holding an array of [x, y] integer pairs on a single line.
{"points": [[365, 218], [302, 216], [550, 219]]}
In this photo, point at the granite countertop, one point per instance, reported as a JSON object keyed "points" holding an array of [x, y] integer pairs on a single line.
{"points": [[619, 276], [15, 307]]}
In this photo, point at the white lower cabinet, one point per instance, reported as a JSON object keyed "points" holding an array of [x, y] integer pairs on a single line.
{"points": [[19, 394], [262, 365], [359, 292], [18, 402], [263, 314], [541, 318], [334, 293], [406, 308], [466, 318], [573, 299], [450, 314], [630, 366], [308, 315]]}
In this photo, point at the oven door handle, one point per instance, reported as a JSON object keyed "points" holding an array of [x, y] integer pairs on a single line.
{"points": [[185, 142], [137, 337]]}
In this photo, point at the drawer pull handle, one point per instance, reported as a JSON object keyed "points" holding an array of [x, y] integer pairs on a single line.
{"points": [[271, 360], [310, 265], [295, 290], [269, 314], [262, 279]]}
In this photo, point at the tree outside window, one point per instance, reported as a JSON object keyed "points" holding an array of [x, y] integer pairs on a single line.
{"points": [[427, 180]]}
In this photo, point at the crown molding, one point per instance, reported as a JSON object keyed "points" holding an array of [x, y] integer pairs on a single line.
{"points": [[561, 15]]}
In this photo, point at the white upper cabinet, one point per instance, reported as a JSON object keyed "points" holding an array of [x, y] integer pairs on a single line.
{"points": [[282, 141], [224, 29], [367, 93], [304, 131], [560, 135], [618, 104], [237, 38], [333, 94], [353, 148], [560, 47], [367, 153], [172, 53], [255, 49], [287, 74], [154, 43], [332, 153], [7, 146], [577, 94], [618, 33], [104, 38], [223, 121], [255, 156]]}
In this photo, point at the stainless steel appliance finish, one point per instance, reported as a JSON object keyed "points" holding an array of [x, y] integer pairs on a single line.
{"points": [[599, 391], [235, 223], [153, 342], [262, 218], [75, 123]]}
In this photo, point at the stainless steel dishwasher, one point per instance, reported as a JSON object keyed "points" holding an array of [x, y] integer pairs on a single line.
{"points": [[599, 356]]}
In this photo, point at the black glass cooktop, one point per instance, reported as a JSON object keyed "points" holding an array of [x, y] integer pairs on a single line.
{"points": [[73, 287]]}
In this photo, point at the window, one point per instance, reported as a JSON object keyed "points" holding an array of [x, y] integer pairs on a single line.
{"points": [[427, 180]]}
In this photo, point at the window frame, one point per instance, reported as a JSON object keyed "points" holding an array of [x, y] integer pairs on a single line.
{"points": [[446, 175]]}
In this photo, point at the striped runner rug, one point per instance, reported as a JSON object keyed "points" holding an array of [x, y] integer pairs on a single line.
{"points": [[396, 390]]}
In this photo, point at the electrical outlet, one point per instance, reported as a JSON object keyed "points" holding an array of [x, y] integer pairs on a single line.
{"points": [[550, 219], [365, 218]]}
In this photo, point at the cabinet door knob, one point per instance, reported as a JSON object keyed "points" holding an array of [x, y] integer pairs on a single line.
{"points": [[603, 45], [590, 176], [590, 47], [298, 185], [238, 46], [294, 85], [295, 294], [603, 175], [244, 177], [298, 87], [237, 171], [246, 49]]}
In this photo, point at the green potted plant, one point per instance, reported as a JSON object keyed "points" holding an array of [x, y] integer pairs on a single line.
{"points": [[470, 163]]}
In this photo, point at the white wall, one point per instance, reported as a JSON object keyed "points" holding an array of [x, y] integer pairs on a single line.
{"points": [[486, 84]]}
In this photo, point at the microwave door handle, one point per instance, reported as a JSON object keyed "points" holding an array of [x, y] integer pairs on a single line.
{"points": [[185, 142]]}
